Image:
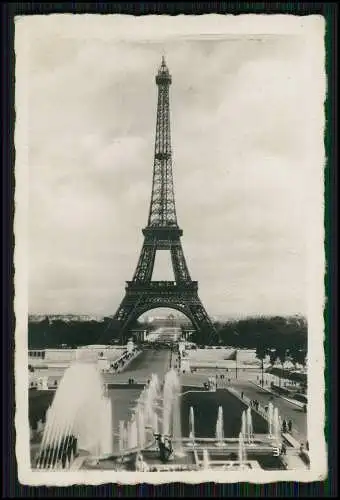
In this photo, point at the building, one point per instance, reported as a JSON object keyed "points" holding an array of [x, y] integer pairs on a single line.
{"points": [[139, 335]]}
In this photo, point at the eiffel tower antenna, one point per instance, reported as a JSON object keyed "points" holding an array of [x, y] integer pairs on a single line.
{"points": [[163, 233]]}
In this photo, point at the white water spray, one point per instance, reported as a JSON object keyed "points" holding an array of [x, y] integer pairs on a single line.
{"points": [[220, 427], [80, 417]]}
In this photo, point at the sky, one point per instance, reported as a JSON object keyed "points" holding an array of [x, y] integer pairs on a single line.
{"points": [[246, 171]]}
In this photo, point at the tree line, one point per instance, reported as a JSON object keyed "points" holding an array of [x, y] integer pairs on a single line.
{"points": [[280, 338], [58, 333], [277, 337]]}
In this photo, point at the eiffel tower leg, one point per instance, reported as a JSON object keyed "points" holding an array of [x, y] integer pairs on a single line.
{"points": [[202, 323], [179, 264], [146, 262], [127, 313]]}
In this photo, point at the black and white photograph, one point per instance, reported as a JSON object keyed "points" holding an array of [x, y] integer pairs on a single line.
{"points": [[169, 249]]}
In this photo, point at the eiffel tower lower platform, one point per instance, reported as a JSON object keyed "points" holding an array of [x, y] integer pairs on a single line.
{"points": [[141, 297]]}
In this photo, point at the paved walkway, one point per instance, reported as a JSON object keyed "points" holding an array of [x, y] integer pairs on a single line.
{"points": [[293, 460], [287, 410], [290, 400]]}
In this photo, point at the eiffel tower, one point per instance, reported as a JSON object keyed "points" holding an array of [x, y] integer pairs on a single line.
{"points": [[163, 233]]}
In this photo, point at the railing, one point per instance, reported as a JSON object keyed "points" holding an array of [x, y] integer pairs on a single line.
{"points": [[258, 408], [162, 285]]}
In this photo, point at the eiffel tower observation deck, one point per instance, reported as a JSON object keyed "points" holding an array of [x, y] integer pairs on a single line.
{"points": [[163, 233]]}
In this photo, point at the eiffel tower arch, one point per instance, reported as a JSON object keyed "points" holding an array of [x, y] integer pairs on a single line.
{"points": [[163, 233]]}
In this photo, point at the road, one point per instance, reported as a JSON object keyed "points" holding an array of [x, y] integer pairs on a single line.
{"points": [[143, 366], [286, 409]]}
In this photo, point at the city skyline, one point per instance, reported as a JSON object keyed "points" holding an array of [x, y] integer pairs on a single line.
{"points": [[242, 131]]}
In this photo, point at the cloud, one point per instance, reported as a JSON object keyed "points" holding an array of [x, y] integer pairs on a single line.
{"points": [[242, 163]]}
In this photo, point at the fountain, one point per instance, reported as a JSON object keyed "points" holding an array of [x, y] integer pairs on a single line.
{"points": [[276, 425], [206, 459], [244, 423], [155, 423], [132, 433], [140, 425], [242, 456], [72, 422], [121, 436], [219, 427], [145, 418], [106, 445], [270, 419], [191, 423], [141, 465], [249, 426], [171, 410]]}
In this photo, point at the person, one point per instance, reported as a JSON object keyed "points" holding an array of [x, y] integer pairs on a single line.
{"points": [[290, 425], [284, 426], [302, 447], [242, 395], [283, 449], [307, 445]]}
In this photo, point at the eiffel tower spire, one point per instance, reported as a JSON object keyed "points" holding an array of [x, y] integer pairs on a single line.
{"points": [[162, 207]]}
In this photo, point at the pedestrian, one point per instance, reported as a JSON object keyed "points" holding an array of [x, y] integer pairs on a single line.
{"points": [[307, 445], [242, 395], [283, 449], [284, 426], [302, 446], [290, 425]]}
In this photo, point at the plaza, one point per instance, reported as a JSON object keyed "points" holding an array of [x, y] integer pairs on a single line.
{"points": [[211, 423]]}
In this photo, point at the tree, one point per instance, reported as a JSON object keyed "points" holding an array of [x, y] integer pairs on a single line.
{"points": [[298, 355], [261, 353], [281, 353]]}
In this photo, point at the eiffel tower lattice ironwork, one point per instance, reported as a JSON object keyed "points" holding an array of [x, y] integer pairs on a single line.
{"points": [[163, 233]]}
